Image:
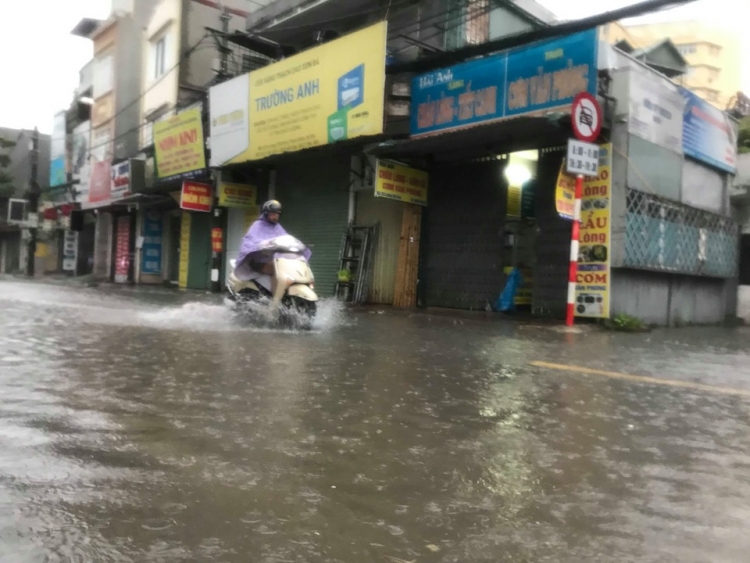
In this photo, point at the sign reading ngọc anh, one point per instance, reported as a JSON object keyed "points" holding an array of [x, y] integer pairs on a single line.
{"points": [[179, 146], [536, 79], [399, 182]]}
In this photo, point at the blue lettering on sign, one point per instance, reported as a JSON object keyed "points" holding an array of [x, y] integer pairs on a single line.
{"points": [[151, 250], [309, 88], [274, 99], [544, 76]]}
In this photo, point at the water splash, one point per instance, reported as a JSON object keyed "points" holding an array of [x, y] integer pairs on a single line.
{"points": [[331, 314]]}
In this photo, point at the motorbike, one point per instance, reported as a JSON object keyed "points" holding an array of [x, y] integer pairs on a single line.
{"points": [[287, 298]]}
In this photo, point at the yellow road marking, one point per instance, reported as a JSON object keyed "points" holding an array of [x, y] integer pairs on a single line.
{"points": [[644, 379]]}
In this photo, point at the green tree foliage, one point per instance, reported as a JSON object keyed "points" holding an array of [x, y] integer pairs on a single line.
{"points": [[743, 138]]}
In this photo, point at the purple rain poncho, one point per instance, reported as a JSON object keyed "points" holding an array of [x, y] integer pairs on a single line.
{"points": [[259, 232]]}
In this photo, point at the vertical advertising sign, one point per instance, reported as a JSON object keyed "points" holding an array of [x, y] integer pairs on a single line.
{"points": [[122, 249], [151, 250], [185, 226], [70, 251], [593, 282], [58, 171]]}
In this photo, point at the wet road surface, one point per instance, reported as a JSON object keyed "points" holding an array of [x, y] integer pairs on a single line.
{"points": [[137, 427]]}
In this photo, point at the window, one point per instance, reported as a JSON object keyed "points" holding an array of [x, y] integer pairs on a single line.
{"points": [[159, 57], [687, 49], [477, 21], [103, 74], [147, 134]]}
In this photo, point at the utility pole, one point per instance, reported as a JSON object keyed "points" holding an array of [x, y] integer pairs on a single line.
{"points": [[33, 196], [225, 18], [217, 232]]}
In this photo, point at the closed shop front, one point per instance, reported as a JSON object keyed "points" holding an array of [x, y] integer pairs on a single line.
{"points": [[463, 235], [387, 216], [315, 198], [10, 252], [195, 250], [553, 243], [103, 245]]}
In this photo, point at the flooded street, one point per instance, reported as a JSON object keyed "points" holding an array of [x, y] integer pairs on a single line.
{"points": [[143, 427]]}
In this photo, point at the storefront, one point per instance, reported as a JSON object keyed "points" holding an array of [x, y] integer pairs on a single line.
{"points": [[305, 114], [491, 135]]}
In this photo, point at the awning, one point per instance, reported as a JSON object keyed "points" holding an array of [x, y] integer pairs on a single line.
{"points": [[487, 139]]}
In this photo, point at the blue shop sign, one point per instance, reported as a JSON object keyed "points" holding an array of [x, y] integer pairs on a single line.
{"points": [[708, 134], [541, 77], [152, 243]]}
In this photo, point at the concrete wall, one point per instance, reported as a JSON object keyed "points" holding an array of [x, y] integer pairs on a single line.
{"points": [[704, 187], [127, 87], [670, 300], [198, 15], [166, 21]]}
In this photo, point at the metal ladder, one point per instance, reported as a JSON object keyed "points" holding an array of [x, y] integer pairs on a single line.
{"points": [[354, 257]]}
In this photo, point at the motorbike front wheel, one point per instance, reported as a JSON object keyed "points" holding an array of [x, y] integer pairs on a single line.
{"points": [[299, 313]]}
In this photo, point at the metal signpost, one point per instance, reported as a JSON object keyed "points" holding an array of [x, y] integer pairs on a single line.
{"points": [[582, 160]]}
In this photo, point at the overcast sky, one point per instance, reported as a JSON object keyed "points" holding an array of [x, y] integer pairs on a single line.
{"points": [[41, 59]]}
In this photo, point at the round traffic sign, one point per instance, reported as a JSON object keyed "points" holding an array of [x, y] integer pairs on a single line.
{"points": [[586, 117]]}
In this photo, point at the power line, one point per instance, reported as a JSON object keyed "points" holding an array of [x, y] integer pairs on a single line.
{"points": [[142, 95], [446, 59]]}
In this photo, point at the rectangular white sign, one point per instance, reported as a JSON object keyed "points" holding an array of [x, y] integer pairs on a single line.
{"points": [[583, 158], [656, 109]]}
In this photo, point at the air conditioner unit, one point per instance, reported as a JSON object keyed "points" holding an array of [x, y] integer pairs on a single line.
{"points": [[16, 210]]}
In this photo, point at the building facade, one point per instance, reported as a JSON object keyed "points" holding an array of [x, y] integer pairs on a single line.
{"points": [[714, 56]]}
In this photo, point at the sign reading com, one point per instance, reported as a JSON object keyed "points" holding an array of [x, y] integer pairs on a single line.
{"points": [[330, 93], [543, 77]]}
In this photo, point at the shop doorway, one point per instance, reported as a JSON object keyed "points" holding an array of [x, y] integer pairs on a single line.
{"points": [[174, 225]]}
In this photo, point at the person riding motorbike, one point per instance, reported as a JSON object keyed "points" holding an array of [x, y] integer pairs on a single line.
{"points": [[265, 228]]}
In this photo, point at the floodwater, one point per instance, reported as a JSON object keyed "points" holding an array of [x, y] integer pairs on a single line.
{"points": [[146, 427]]}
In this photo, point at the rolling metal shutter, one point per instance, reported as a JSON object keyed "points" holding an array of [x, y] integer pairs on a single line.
{"points": [[553, 243], [315, 198], [463, 235]]}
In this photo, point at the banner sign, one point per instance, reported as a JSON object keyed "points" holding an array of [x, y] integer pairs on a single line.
{"points": [[70, 251], [185, 226], [100, 185], [151, 250], [330, 93], [120, 180], [122, 249], [399, 182], [655, 112], [543, 77], [565, 193], [241, 196], [58, 169], [593, 287], [708, 133], [196, 197], [179, 146]]}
